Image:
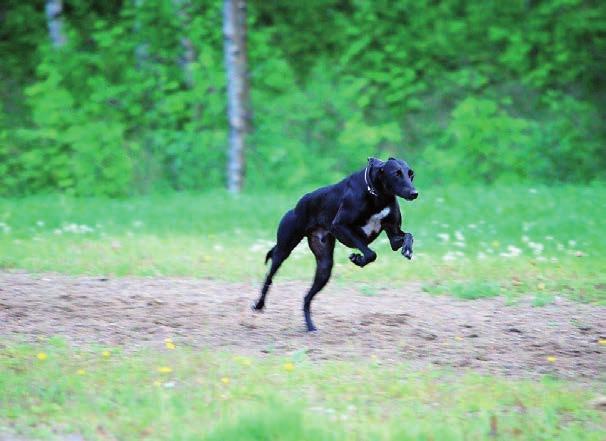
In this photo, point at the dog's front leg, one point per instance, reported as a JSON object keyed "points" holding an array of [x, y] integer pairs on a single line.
{"points": [[399, 239], [349, 237], [407, 246]]}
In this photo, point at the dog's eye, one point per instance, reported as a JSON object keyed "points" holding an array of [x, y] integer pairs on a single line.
{"points": [[411, 174], [399, 173]]}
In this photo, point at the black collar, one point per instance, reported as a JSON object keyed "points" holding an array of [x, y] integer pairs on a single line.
{"points": [[368, 182]]}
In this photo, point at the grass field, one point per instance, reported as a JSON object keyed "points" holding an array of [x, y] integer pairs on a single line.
{"points": [[518, 239], [516, 242], [180, 394]]}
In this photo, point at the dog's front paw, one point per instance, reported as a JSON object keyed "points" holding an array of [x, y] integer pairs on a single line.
{"points": [[407, 246]]}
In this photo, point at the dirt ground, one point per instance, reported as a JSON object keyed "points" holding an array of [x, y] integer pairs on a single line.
{"points": [[402, 324]]}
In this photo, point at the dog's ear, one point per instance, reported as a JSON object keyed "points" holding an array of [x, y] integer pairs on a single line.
{"points": [[375, 163]]}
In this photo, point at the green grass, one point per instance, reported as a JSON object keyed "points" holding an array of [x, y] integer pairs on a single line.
{"points": [[468, 291], [210, 396], [508, 235]]}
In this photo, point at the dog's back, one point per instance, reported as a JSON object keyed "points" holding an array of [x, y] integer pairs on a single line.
{"points": [[319, 207]]}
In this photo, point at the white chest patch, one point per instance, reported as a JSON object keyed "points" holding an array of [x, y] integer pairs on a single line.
{"points": [[373, 225]]}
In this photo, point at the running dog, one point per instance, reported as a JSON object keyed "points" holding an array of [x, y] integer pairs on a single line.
{"points": [[354, 212]]}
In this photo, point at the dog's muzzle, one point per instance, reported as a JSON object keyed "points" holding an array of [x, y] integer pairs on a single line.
{"points": [[412, 196]]}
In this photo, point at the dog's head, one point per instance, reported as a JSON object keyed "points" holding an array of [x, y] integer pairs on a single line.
{"points": [[393, 177]]}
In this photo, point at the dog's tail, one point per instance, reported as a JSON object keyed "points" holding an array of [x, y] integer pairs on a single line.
{"points": [[269, 255]]}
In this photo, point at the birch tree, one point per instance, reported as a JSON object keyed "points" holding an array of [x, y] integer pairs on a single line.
{"points": [[54, 21], [238, 107]]}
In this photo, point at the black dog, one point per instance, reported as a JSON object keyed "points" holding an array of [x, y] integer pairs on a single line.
{"points": [[353, 211]]}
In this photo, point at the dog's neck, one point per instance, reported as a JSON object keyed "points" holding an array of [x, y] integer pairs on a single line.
{"points": [[368, 180]]}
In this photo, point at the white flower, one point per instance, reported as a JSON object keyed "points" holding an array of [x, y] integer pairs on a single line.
{"points": [[537, 248], [77, 229], [448, 257], [512, 251], [444, 236], [459, 236]]}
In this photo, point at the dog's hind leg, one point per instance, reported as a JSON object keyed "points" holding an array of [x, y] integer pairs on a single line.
{"points": [[290, 233], [322, 244]]}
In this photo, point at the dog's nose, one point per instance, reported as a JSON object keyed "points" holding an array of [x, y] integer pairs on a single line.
{"points": [[414, 194]]}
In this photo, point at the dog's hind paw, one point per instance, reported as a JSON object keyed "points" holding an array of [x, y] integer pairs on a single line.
{"points": [[358, 259], [256, 307]]}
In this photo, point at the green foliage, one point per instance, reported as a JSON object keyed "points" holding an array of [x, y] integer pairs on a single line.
{"points": [[466, 91]]}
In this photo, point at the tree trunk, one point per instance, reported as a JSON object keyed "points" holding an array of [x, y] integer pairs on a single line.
{"points": [[188, 56], [54, 20], [238, 107], [141, 50]]}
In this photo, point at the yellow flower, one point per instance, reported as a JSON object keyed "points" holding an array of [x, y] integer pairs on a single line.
{"points": [[541, 286], [244, 361], [458, 338], [495, 244], [289, 367], [168, 340], [81, 372], [41, 356], [106, 354], [165, 370], [602, 341], [157, 383], [225, 380], [169, 345], [551, 359]]}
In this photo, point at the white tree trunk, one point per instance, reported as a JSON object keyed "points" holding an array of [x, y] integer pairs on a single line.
{"points": [[238, 114], [54, 20]]}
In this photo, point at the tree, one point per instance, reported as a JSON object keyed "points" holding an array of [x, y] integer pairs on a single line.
{"points": [[188, 57], [54, 20], [238, 107]]}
